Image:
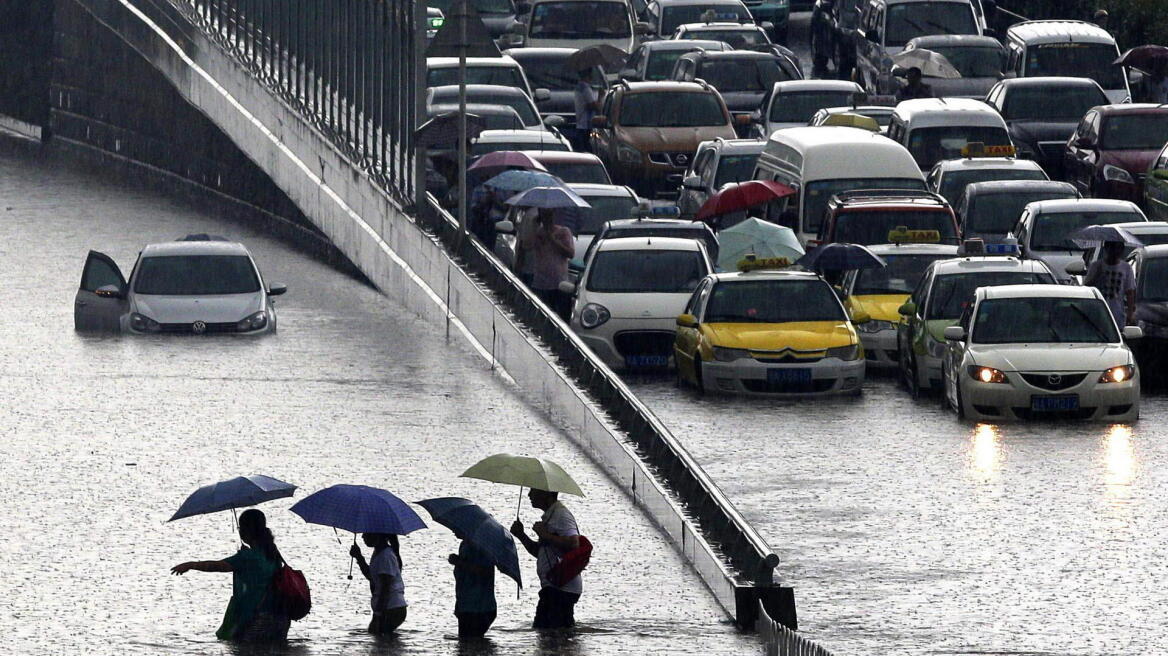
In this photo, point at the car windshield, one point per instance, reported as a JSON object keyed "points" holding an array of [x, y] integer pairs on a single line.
{"points": [[1135, 132], [483, 6], [931, 145], [996, 214], [697, 232], [1043, 320], [773, 301], [672, 17], [661, 62], [580, 20], [504, 76], [646, 272], [974, 61], [1052, 231], [953, 293], [799, 107], [821, 191], [1049, 102], [953, 183], [730, 75], [900, 276], [507, 120], [549, 144], [579, 172], [737, 38], [734, 168], [196, 275], [1153, 284], [549, 72], [912, 19], [517, 101], [604, 209], [868, 228], [1093, 60], [671, 109]]}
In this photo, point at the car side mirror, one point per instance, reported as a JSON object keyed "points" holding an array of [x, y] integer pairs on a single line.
{"points": [[277, 288], [566, 287], [628, 74], [907, 309], [687, 321], [542, 95], [110, 291], [642, 29], [756, 116], [505, 227], [517, 28], [1133, 332], [954, 333], [1076, 268], [860, 316], [600, 121], [691, 182], [554, 121]]}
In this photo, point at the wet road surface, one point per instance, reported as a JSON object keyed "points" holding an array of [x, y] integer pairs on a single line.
{"points": [[103, 437]]}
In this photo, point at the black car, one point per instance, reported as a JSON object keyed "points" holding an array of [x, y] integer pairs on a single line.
{"points": [[497, 15], [989, 210], [1041, 113], [742, 77], [1151, 266], [545, 69]]}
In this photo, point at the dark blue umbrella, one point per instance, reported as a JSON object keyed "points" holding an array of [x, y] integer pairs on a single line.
{"points": [[238, 492], [520, 180], [360, 509], [841, 257], [476, 526]]}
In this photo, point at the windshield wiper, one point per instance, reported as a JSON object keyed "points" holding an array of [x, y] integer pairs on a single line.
{"points": [[1091, 322]]}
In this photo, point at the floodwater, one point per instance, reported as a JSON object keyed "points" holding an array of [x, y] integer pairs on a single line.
{"points": [[103, 437]]}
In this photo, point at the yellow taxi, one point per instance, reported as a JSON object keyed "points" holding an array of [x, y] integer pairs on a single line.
{"points": [[879, 293], [768, 331]]}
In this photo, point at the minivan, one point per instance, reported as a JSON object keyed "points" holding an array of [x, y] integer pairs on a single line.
{"points": [[1065, 48]]}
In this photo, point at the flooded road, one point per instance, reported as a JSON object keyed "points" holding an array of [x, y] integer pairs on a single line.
{"points": [[104, 437]]}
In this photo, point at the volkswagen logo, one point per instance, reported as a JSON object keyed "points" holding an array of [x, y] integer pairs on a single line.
{"points": [[199, 327], [1054, 379]]}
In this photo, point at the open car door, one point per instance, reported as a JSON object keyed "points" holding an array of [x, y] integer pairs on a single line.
{"points": [[101, 298]]}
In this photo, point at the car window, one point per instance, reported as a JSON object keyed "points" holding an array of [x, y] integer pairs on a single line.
{"points": [[580, 20], [1153, 280], [1048, 102], [1090, 60], [1135, 132], [821, 191], [646, 272], [912, 19], [872, 227], [549, 144], [773, 301], [1043, 321], [196, 275], [671, 109], [734, 168], [799, 107], [974, 61], [730, 75], [604, 209], [549, 72], [931, 145], [1051, 231], [577, 172], [998, 213], [952, 293], [496, 7], [691, 307], [661, 63], [517, 101], [901, 275], [507, 76], [955, 182], [737, 38], [99, 273], [673, 17]]}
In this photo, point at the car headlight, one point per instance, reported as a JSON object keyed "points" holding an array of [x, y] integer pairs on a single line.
{"points": [[847, 353], [987, 374], [875, 326], [1116, 174], [729, 354], [254, 321], [143, 323], [1118, 374], [626, 154], [593, 315]]}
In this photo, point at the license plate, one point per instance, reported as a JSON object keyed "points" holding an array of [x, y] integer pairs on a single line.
{"points": [[646, 361], [1054, 403], [788, 375]]}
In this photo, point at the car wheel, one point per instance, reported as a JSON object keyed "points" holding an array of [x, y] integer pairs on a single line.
{"points": [[700, 385]]}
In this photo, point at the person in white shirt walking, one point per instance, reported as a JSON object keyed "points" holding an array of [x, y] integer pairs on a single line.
{"points": [[556, 534], [587, 104], [385, 581], [1114, 278]]}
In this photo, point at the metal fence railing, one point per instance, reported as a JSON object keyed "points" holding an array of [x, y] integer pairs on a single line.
{"points": [[782, 641]]}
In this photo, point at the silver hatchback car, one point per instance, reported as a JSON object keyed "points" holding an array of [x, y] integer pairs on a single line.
{"points": [[199, 284]]}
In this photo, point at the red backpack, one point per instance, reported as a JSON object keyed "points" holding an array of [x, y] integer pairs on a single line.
{"points": [[292, 592], [571, 564]]}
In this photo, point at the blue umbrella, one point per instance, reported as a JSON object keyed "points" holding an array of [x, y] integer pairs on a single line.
{"points": [[1101, 234], [520, 180], [476, 526], [238, 492], [549, 197], [841, 257], [360, 509]]}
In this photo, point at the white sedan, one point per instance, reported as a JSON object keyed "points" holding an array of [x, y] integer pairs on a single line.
{"points": [[1041, 351]]}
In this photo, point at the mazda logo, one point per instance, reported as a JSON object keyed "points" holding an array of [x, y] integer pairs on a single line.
{"points": [[199, 327], [1054, 379]]}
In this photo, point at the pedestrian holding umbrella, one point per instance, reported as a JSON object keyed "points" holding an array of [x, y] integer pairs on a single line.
{"points": [[501, 160], [757, 237], [524, 471], [841, 257], [930, 63], [238, 492], [740, 196], [602, 55], [444, 129], [521, 180], [1093, 235]]}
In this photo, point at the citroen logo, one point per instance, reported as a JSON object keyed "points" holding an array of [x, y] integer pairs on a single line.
{"points": [[1054, 379], [199, 327]]}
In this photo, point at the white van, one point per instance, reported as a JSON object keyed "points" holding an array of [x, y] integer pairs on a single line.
{"points": [[823, 161], [1064, 48], [936, 129], [580, 23]]}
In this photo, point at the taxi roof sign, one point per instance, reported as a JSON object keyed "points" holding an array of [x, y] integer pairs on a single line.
{"points": [[980, 149], [902, 235], [752, 263], [852, 120]]}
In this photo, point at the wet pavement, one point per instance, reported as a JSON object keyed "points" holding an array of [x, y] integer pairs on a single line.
{"points": [[103, 437]]}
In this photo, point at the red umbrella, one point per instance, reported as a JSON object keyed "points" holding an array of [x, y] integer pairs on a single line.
{"points": [[1150, 59], [742, 195], [505, 159]]}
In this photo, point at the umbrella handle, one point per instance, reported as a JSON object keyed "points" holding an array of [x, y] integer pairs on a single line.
{"points": [[519, 506], [351, 559]]}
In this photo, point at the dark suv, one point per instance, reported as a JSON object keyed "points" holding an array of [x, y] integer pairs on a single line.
{"points": [[868, 216], [647, 132], [742, 77]]}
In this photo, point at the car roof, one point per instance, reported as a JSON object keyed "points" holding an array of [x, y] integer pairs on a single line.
{"points": [[735, 146], [1131, 108], [1143, 227], [721, 26], [563, 157], [520, 53], [473, 108], [860, 109], [452, 89], [1039, 32], [923, 112], [988, 163], [517, 136], [913, 249], [648, 244], [766, 274], [449, 62], [665, 85], [1018, 186], [1082, 205], [732, 54], [686, 44], [214, 247], [601, 190], [1157, 251], [683, 224], [795, 86], [1048, 81], [884, 198], [1038, 290], [843, 152], [988, 263], [688, 3], [969, 40]]}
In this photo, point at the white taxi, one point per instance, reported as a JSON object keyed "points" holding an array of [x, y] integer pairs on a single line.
{"points": [[1041, 351]]}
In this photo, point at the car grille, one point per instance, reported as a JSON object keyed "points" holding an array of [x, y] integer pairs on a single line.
{"points": [[1054, 382], [788, 357], [643, 342], [230, 327], [675, 159], [766, 387]]}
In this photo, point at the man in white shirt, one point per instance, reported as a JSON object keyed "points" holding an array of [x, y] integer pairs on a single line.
{"points": [[1114, 278], [557, 534], [587, 104]]}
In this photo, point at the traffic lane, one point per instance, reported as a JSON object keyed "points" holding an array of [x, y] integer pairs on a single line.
{"points": [[907, 531], [107, 435]]}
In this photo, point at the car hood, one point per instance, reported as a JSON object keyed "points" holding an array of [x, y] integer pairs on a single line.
{"points": [[674, 139], [881, 307], [1050, 357], [967, 87], [1032, 132], [188, 309], [742, 102], [1058, 261], [1132, 161], [642, 306], [797, 335]]}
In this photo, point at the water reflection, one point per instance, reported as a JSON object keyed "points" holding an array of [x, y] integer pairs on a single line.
{"points": [[985, 452], [1120, 464]]}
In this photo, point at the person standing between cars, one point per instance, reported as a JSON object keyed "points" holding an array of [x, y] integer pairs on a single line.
{"points": [[1101, 18], [474, 589], [385, 581], [253, 614], [914, 88], [587, 104], [1115, 279], [549, 246], [556, 534]]}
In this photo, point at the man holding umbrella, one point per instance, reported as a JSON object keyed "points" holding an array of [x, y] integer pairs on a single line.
{"points": [[556, 534], [587, 104], [1114, 278]]}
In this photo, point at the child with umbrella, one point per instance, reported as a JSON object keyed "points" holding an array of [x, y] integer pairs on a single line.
{"points": [[383, 571], [474, 589]]}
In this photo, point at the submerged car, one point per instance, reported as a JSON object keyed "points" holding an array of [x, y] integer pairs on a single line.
{"points": [[1041, 351], [196, 285]]}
